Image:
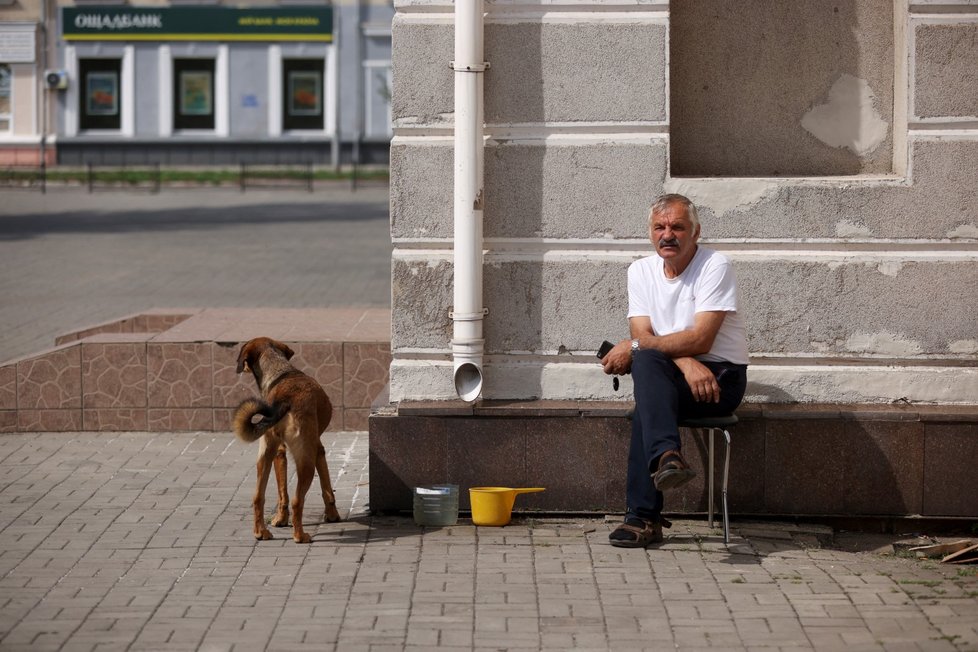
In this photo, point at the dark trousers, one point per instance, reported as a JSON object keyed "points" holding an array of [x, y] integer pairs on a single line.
{"points": [[662, 400]]}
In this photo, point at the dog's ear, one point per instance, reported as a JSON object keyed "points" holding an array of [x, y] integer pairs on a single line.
{"points": [[286, 351], [244, 356]]}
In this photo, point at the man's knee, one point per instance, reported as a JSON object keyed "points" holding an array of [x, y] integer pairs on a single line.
{"points": [[650, 365], [650, 359]]}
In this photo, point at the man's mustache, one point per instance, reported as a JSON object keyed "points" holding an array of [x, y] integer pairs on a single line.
{"points": [[669, 242]]}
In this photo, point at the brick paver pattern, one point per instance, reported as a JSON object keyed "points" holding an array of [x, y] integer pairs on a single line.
{"points": [[143, 541]]}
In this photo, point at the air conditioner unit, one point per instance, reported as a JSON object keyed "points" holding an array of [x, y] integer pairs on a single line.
{"points": [[57, 79]]}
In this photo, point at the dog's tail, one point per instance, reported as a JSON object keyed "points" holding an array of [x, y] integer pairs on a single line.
{"points": [[247, 428]]}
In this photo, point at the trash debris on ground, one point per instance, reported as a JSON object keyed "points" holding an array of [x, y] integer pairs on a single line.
{"points": [[964, 551], [968, 555]]}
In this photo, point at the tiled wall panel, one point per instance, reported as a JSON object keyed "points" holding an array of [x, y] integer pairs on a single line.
{"points": [[50, 381], [8, 387], [125, 385], [180, 375], [114, 375]]}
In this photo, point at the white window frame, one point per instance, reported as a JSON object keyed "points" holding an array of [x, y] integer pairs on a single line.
{"points": [[164, 77], [222, 100], [276, 101], [127, 96], [370, 67], [9, 117]]}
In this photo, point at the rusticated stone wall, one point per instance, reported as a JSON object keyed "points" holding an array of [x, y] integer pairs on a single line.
{"points": [[832, 148]]}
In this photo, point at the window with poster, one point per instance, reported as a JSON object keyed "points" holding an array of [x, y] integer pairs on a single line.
{"points": [[193, 94], [6, 95], [302, 94], [100, 94]]}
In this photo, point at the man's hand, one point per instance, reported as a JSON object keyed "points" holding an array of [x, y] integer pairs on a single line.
{"points": [[700, 379], [618, 361]]}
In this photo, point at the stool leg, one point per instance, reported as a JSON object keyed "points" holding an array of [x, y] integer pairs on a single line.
{"points": [[710, 500], [726, 476]]}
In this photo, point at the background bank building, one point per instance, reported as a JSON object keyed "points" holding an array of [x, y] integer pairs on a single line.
{"points": [[203, 84]]}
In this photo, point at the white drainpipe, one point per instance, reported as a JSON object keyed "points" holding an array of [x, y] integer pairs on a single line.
{"points": [[469, 66]]}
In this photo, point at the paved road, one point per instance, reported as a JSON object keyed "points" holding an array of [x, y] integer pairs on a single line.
{"points": [[69, 259], [137, 541]]}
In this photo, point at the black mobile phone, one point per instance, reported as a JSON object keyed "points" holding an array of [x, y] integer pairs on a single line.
{"points": [[605, 347]]}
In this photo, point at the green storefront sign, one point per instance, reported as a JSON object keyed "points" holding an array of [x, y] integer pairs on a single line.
{"points": [[120, 23]]}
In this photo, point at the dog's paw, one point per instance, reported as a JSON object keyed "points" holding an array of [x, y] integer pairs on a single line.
{"points": [[302, 538], [280, 520], [331, 515], [263, 535]]}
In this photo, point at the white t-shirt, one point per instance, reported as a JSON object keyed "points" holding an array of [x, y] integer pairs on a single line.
{"points": [[707, 284]]}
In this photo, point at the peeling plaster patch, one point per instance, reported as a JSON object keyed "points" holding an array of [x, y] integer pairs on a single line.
{"points": [[890, 268], [884, 343], [964, 231], [847, 229], [963, 346], [849, 118], [424, 120], [721, 195]]}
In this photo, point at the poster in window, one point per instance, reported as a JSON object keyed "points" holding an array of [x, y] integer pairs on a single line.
{"points": [[102, 93], [195, 93], [5, 86], [305, 93]]}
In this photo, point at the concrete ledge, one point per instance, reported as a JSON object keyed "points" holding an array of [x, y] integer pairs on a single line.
{"points": [[817, 460], [545, 408]]}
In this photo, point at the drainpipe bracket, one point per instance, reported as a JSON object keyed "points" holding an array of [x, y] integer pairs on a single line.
{"points": [[468, 316], [484, 66]]}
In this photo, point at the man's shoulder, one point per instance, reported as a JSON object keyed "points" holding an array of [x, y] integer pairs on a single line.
{"points": [[710, 253], [652, 260], [645, 263], [711, 257]]}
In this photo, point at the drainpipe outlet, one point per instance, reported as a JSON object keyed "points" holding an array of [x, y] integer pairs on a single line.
{"points": [[467, 348], [468, 369]]}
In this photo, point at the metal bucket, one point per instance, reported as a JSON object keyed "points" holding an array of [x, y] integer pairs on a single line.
{"points": [[436, 505]]}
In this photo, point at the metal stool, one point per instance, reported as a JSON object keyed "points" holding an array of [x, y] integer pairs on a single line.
{"points": [[713, 424]]}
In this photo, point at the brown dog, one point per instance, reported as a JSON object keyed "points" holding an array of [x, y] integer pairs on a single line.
{"points": [[294, 411]]}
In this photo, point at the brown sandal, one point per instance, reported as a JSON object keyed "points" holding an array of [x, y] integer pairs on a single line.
{"points": [[673, 472], [638, 536]]}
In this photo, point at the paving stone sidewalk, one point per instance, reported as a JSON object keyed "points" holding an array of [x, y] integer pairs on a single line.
{"points": [[142, 541]]}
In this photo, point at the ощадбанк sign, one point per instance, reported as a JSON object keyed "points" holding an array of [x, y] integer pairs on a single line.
{"points": [[121, 23]]}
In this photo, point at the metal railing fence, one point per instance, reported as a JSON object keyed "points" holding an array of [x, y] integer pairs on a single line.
{"points": [[155, 178]]}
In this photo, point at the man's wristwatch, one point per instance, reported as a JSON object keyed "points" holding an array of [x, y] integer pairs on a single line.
{"points": [[634, 347]]}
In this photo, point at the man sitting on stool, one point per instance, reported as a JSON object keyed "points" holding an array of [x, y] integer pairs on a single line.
{"points": [[687, 356]]}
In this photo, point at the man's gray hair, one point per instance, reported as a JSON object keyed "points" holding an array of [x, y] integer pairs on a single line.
{"points": [[662, 202]]}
